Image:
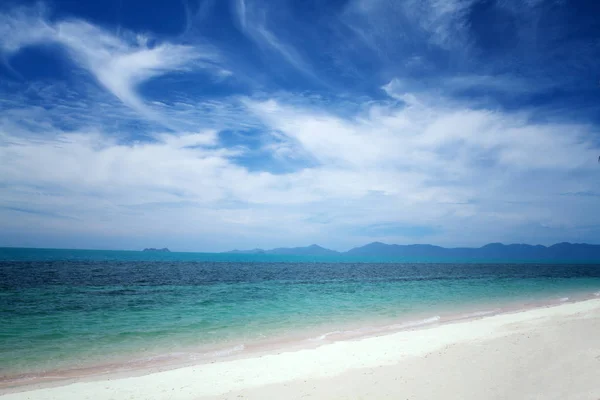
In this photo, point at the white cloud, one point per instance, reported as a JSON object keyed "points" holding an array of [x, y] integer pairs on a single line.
{"points": [[440, 165], [421, 137], [119, 63]]}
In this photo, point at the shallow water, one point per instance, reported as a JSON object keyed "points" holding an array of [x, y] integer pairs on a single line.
{"points": [[74, 312]]}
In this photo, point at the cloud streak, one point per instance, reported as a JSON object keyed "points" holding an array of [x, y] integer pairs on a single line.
{"points": [[252, 20], [119, 64]]}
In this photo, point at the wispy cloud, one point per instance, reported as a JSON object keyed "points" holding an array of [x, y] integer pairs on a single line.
{"points": [[252, 19], [444, 20], [119, 64], [587, 193], [390, 28], [197, 14]]}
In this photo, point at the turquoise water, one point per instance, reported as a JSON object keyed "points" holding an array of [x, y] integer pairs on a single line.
{"points": [[74, 309]]}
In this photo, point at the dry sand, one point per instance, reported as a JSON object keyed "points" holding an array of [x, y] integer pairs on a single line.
{"points": [[545, 353]]}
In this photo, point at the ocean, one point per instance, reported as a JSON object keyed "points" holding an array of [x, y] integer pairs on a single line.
{"points": [[75, 310]]}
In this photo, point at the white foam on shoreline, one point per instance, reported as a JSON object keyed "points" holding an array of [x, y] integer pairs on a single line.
{"points": [[413, 324], [563, 299], [226, 352], [324, 336], [483, 313], [375, 329]]}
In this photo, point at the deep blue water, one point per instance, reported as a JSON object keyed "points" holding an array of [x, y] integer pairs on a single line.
{"points": [[62, 309]]}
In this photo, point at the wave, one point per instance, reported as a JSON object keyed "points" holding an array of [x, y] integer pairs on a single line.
{"points": [[480, 313], [563, 299], [324, 336], [371, 330], [412, 324], [226, 352]]}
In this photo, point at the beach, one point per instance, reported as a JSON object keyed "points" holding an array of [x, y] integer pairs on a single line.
{"points": [[550, 352]]}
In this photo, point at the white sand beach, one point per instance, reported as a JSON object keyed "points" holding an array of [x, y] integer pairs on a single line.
{"points": [[544, 353]]}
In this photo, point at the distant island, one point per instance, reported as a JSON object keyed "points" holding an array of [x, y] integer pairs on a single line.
{"points": [[493, 251], [312, 250], [153, 250]]}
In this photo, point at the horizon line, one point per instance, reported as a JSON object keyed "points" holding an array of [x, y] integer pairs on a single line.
{"points": [[296, 247]]}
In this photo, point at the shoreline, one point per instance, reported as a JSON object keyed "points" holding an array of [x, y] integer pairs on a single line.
{"points": [[352, 334]]}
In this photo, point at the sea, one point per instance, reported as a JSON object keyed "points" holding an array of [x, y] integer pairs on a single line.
{"points": [[66, 313]]}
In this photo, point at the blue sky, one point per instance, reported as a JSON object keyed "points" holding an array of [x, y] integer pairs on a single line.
{"points": [[211, 125]]}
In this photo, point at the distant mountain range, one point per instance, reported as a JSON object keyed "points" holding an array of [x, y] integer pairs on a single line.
{"points": [[312, 250], [492, 251]]}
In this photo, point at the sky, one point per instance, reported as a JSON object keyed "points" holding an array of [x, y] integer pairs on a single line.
{"points": [[218, 124]]}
